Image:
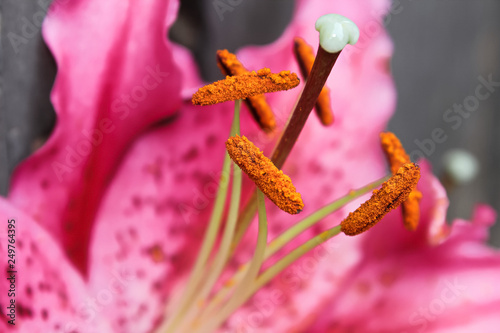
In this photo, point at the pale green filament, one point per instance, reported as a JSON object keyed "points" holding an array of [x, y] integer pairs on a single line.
{"points": [[318, 215], [240, 294], [224, 248], [278, 267], [244, 220], [199, 268], [287, 236]]}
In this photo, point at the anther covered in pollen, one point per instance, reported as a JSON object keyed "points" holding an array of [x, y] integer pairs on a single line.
{"points": [[245, 85], [392, 193], [397, 156], [261, 111], [269, 179], [305, 58], [394, 151]]}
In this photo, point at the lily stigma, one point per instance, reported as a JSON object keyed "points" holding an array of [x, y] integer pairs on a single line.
{"points": [[210, 297]]}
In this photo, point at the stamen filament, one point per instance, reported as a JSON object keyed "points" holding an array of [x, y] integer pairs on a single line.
{"points": [[235, 126], [290, 258], [240, 294], [274, 270], [225, 245], [286, 237], [296, 229], [198, 270], [244, 220]]}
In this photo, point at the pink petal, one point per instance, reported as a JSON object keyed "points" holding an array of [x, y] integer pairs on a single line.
{"points": [[50, 295], [116, 77], [150, 224], [191, 80]]}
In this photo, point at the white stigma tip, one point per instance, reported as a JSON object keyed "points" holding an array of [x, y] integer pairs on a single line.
{"points": [[335, 32]]}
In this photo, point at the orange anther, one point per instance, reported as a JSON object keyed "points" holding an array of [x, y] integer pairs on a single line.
{"points": [[392, 193], [269, 179]]}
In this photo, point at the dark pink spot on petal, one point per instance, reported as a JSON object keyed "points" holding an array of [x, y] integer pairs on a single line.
{"points": [[45, 314], [363, 287], [45, 184], [24, 311], [156, 253], [211, 140], [387, 279], [136, 202], [29, 291], [191, 154]]}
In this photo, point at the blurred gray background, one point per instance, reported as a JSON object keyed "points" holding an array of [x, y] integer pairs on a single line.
{"points": [[441, 48]]}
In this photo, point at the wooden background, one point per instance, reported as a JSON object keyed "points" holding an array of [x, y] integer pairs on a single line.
{"points": [[441, 48]]}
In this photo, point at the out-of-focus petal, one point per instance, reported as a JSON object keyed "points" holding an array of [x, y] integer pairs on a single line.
{"points": [[49, 294], [116, 77], [150, 224], [191, 79]]}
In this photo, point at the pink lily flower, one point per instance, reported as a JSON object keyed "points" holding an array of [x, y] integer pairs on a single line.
{"points": [[109, 214]]}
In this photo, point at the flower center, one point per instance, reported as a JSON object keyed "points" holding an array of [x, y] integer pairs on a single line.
{"points": [[202, 307]]}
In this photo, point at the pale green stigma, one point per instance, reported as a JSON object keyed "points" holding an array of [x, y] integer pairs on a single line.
{"points": [[336, 31]]}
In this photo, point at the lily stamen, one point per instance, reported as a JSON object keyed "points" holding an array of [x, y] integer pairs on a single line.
{"points": [[246, 85], [331, 44], [229, 64], [269, 179], [392, 193], [204, 308], [397, 156]]}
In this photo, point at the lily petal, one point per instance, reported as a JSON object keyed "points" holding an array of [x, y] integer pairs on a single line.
{"points": [[115, 78], [150, 225], [49, 294]]}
